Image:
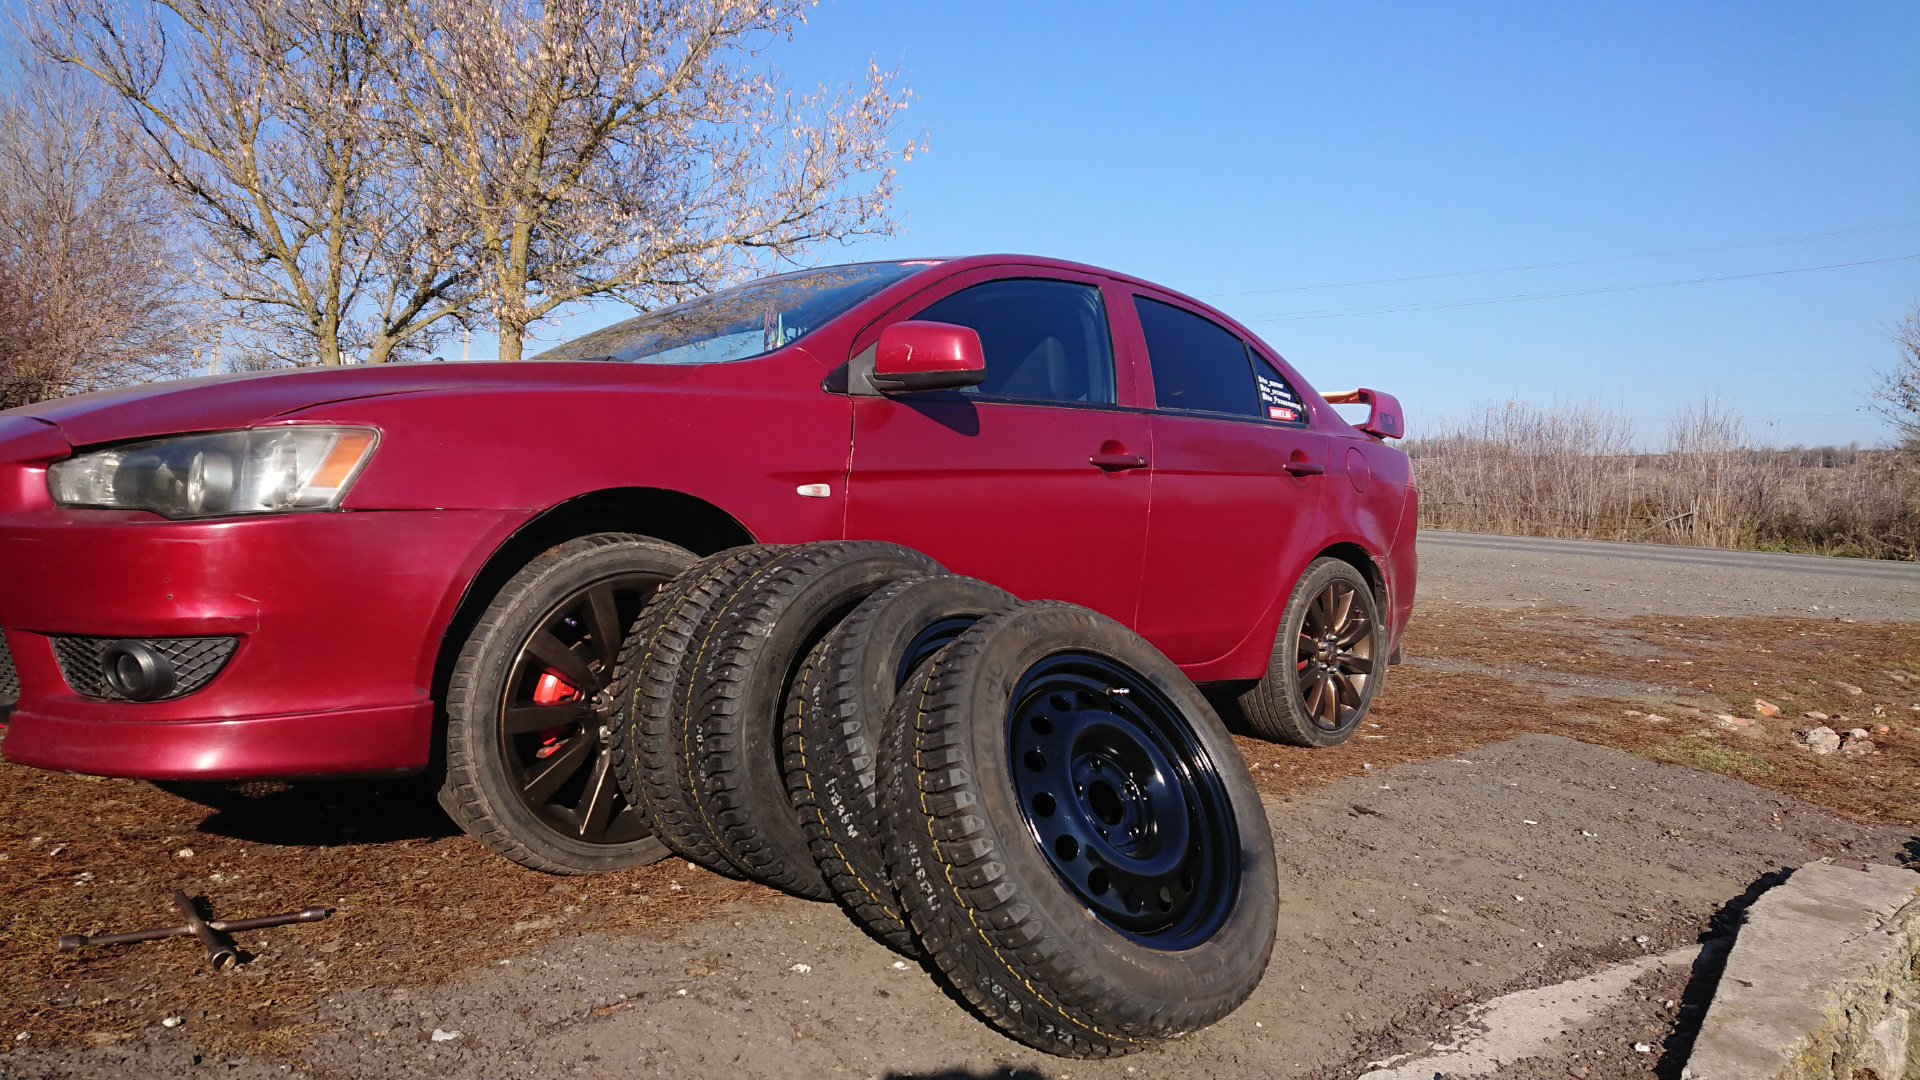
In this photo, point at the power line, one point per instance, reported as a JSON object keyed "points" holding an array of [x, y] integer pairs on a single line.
{"points": [[1582, 262], [1341, 313]]}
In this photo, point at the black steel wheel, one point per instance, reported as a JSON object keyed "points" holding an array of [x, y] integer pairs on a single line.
{"points": [[1124, 802], [1328, 659], [1076, 840], [530, 709]]}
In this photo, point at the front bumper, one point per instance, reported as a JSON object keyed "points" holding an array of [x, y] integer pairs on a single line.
{"points": [[339, 619]]}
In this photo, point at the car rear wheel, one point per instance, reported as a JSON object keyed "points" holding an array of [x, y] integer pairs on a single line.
{"points": [[530, 709], [1327, 661]]}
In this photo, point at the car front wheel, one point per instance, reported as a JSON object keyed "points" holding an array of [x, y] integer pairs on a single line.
{"points": [[530, 709]]}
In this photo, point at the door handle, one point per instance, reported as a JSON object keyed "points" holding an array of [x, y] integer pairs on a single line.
{"points": [[1118, 462], [1305, 468]]}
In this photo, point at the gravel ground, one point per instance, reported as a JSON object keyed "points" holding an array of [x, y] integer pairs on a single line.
{"points": [[1406, 893]]}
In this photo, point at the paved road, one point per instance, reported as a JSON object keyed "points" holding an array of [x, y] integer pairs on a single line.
{"points": [[1615, 579]]}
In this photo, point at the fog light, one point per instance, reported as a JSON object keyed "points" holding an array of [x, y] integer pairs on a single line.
{"points": [[136, 672]]}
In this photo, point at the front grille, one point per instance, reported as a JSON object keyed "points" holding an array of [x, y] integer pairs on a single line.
{"points": [[9, 678], [196, 660]]}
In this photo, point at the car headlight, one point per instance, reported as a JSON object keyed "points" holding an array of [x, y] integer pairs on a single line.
{"points": [[258, 471]]}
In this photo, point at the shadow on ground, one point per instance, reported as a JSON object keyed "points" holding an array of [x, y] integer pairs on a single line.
{"points": [[319, 813]]}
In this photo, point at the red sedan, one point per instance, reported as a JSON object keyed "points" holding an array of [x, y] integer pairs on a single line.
{"points": [[305, 573]]}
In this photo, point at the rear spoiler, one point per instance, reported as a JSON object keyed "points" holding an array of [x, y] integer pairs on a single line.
{"points": [[1384, 418]]}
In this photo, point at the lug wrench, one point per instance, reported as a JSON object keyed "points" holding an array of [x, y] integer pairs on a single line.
{"points": [[221, 956]]}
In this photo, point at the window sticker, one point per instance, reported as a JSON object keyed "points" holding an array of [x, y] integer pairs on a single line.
{"points": [[1278, 399]]}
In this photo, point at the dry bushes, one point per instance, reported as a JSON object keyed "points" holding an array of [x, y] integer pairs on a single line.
{"points": [[1571, 471]]}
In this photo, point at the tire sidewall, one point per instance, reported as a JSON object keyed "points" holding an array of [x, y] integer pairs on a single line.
{"points": [[492, 662], [1321, 573], [1116, 963]]}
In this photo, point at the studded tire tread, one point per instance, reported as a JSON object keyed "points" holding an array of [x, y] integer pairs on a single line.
{"points": [[978, 902]]}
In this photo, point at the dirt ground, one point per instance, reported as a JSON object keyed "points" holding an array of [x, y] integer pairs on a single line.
{"points": [[1435, 861]]}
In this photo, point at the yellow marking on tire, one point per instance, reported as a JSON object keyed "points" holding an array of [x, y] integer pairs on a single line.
{"points": [[947, 869]]}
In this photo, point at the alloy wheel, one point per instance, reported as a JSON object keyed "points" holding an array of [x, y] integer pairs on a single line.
{"points": [[556, 713], [1334, 657]]}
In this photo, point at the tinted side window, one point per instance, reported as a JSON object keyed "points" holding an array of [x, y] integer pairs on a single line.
{"points": [[1198, 366], [1044, 340], [1277, 399]]}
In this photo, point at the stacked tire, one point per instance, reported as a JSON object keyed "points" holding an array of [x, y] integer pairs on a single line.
{"points": [[1026, 795]]}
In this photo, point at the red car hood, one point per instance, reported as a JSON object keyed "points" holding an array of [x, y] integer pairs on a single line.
{"points": [[219, 402]]}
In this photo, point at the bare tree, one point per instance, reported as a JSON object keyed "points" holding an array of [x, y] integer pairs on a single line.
{"points": [[92, 292], [1897, 392], [628, 149], [255, 113]]}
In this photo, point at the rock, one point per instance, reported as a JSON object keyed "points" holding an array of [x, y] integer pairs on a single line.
{"points": [[1857, 747], [1765, 708], [444, 1036], [1857, 733], [1851, 689], [1814, 714], [1821, 740], [1882, 729], [1731, 723], [1656, 718]]}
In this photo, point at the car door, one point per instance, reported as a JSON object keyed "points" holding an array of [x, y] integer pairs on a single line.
{"points": [[1035, 480], [1237, 480]]}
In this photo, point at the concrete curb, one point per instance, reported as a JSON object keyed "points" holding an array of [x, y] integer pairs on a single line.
{"points": [[1821, 983]]}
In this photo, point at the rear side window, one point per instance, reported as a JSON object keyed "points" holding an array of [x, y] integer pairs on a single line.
{"points": [[1201, 366], [1044, 340], [1277, 398], [1198, 365]]}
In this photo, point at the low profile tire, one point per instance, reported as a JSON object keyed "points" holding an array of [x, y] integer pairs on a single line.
{"points": [[747, 655], [654, 697], [836, 712], [529, 709], [1077, 841], [1328, 660]]}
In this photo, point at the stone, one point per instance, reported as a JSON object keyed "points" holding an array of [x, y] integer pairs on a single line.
{"points": [[1820, 981], [1858, 747], [1821, 740], [1857, 733], [1851, 689], [1765, 707], [1814, 714]]}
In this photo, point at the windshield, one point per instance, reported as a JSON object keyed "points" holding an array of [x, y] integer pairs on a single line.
{"points": [[736, 323]]}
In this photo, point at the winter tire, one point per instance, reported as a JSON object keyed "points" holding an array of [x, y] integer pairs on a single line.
{"points": [[656, 667], [740, 668], [529, 709], [834, 718], [1075, 837], [1328, 660]]}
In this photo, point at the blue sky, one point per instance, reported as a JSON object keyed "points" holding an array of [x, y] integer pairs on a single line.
{"points": [[1244, 153]]}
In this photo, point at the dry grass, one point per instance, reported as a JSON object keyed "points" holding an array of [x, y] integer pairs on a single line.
{"points": [[1506, 673], [1572, 472], [417, 903]]}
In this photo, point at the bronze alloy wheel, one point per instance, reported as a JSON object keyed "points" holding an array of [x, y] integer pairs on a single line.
{"points": [[1322, 674], [1334, 655], [556, 710]]}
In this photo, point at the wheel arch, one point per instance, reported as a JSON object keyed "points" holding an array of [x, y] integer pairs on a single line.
{"points": [[660, 513]]}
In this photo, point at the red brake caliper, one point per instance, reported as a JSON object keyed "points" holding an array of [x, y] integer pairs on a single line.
{"points": [[552, 690]]}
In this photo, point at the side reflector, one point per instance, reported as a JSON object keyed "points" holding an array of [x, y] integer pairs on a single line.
{"points": [[814, 491]]}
